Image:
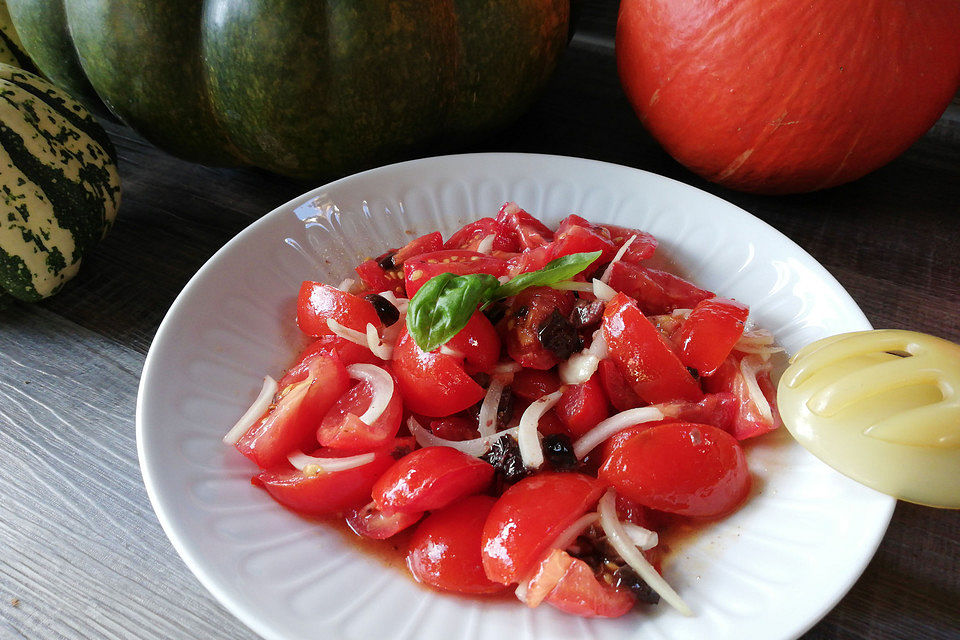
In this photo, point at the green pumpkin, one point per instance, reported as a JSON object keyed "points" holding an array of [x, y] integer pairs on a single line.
{"points": [[309, 89], [59, 183]]}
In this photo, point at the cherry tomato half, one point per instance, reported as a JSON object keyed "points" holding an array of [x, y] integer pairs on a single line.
{"points": [[326, 493], [655, 291], [319, 302], [417, 271], [370, 522], [342, 428], [432, 384], [709, 333], [430, 478], [530, 309], [570, 585], [582, 406], [685, 468], [290, 424], [529, 516], [643, 355], [444, 551]]}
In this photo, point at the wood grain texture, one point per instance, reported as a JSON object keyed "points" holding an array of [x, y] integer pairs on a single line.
{"points": [[81, 553]]}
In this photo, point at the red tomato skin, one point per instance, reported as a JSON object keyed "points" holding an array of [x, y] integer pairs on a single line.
{"points": [[709, 333], [469, 237], [580, 593], [349, 352], [431, 383], [649, 363], [319, 302], [642, 248], [530, 260], [577, 235], [370, 522], [656, 292], [290, 423], [582, 406], [430, 478], [419, 270], [424, 244], [341, 427], [377, 279], [533, 384], [444, 551], [529, 310], [616, 386], [747, 421], [325, 493], [522, 229], [529, 516], [454, 428], [479, 342], [690, 469]]}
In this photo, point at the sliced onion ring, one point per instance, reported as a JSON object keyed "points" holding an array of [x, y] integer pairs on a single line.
{"points": [[641, 536], [486, 245], [750, 366], [603, 291], [487, 420], [605, 278], [347, 333], [527, 435], [621, 542], [476, 447], [613, 424], [257, 409], [381, 389], [311, 466], [377, 346]]}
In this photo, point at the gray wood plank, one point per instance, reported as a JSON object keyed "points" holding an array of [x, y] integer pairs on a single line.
{"points": [[83, 555]]}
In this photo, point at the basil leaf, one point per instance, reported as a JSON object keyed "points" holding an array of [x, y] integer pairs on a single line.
{"points": [[443, 306], [563, 268]]}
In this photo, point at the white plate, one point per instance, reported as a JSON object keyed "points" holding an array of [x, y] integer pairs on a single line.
{"points": [[769, 571]]}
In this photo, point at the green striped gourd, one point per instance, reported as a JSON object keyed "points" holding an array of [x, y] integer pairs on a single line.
{"points": [[61, 190]]}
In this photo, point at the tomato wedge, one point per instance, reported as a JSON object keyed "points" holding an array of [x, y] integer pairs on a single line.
{"points": [[570, 585], [377, 279], [520, 230], [471, 235], [444, 551], [709, 333], [424, 244], [370, 522], [319, 302], [432, 384], [748, 420], [291, 422], [582, 406], [656, 292], [342, 426], [530, 309], [326, 493], [654, 371], [430, 478], [529, 516], [684, 468], [419, 270]]}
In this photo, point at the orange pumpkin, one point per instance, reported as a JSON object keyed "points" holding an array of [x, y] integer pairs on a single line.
{"points": [[783, 96]]}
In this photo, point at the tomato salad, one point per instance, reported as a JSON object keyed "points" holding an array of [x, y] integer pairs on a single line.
{"points": [[533, 404]]}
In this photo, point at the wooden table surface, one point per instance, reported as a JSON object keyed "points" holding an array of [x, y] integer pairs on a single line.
{"points": [[82, 554]]}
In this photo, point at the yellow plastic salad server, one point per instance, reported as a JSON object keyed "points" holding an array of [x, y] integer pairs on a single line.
{"points": [[882, 407]]}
